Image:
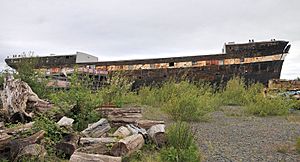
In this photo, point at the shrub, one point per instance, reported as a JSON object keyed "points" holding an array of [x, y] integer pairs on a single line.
{"points": [[35, 79], [53, 132], [180, 144], [188, 102], [79, 102], [266, 106], [116, 91], [234, 92]]}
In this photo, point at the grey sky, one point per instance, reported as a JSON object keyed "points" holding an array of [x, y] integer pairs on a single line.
{"points": [[127, 29]]}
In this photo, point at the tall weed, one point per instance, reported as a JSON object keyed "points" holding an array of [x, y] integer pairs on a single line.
{"points": [[181, 146]]}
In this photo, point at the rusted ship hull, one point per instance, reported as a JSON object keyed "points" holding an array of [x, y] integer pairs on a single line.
{"points": [[255, 61]]}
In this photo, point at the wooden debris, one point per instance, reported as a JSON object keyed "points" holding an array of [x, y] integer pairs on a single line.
{"points": [[146, 124], [4, 140], [122, 132], [65, 121], [17, 145], [127, 145], [84, 157], [33, 150], [18, 129], [91, 141], [69, 144], [157, 134], [98, 148], [135, 130], [121, 116], [97, 129], [15, 97]]}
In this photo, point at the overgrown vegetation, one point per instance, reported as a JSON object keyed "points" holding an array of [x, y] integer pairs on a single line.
{"points": [[181, 146], [182, 101]]}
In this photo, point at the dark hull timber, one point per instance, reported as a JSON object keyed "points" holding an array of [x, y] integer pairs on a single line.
{"points": [[255, 61]]}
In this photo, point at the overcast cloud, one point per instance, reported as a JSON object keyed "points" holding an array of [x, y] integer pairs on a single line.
{"points": [[132, 29]]}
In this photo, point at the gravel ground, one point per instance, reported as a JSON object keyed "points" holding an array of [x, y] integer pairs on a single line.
{"points": [[241, 138]]}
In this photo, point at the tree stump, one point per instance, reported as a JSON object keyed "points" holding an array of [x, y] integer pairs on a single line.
{"points": [[84, 157], [127, 145]]}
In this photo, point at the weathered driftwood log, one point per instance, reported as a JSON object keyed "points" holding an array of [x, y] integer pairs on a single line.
{"points": [[68, 144], [121, 116], [98, 148], [146, 124], [65, 121], [34, 150], [18, 129], [127, 145], [157, 134], [17, 145], [122, 132], [84, 157], [4, 140], [17, 95], [91, 141], [97, 129]]}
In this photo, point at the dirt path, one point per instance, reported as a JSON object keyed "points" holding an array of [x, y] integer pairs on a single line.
{"points": [[242, 138]]}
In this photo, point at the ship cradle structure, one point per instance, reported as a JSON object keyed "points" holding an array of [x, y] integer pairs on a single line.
{"points": [[254, 61]]}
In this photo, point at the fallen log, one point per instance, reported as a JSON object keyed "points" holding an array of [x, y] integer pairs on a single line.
{"points": [[97, 129], [137, 130], [157, 134], [122, 132], [18, 129], [127, 145], [68, 145], [98, 148], [91, 141], [146, 124], [84, 157], [17, 145], [121, 116], [36, 151]]}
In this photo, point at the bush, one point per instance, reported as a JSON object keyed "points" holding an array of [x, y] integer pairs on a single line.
{"points": [[181, 146], [234, 92], [35, 79], [79, 103], [53, 132], [266, 106], [117, 91], [181, 101], [188, 102]]}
